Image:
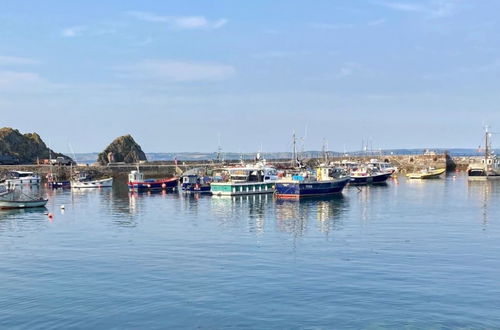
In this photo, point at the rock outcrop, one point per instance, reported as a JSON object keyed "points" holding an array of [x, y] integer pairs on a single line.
{"points": [[24, 148], [122, 149]]}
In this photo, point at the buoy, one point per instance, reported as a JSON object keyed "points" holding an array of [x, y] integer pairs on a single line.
{"points": [[62, 207], [50, 215]]}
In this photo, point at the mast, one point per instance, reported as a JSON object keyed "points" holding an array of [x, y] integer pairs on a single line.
{"points": [[294, 155]]}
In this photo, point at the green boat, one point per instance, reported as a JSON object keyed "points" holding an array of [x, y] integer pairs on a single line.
{"points": [[252, 179]]}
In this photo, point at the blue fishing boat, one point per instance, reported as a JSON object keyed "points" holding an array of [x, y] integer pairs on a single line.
{"points": [[367, 175], [326, 181], [193, 181], [137, 183]]}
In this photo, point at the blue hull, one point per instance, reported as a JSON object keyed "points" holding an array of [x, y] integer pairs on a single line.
{"points": [[60, 184], [380, 178], [309, 189], [196, 189], [151, 186]]}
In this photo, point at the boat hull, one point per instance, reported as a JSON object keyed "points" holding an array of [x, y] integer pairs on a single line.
{"points": [[310, 189], [243, 188], [430, 175], [6, 204], [59, 184], [370, 179], [196, 189], [104, 183], [152, 185]]}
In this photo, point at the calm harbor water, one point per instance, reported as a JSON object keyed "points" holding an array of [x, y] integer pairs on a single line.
{"points": [[414, 254]]}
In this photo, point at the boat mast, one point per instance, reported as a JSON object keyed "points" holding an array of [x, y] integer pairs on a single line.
{"points": [[294, 155]]}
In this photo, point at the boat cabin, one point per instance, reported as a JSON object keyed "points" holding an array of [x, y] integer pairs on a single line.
{"points": [[135, 176]]}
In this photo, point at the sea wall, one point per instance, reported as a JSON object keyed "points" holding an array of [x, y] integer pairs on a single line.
{"points": [[405, 163]]}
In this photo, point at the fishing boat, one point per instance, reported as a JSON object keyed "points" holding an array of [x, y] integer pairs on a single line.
{"points": [[137, 183], [8, 200], [54, 183], [367, 175], [327, 180], [16, 178], [193, 181], [428, 173], [245, 179], [84, 180], [382, 166], [489, 166]]}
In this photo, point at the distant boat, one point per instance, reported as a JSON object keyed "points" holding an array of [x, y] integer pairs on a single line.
{"points": [[8, 200], [429, 173], [16, 178], [53, 183], [382, 166], [366, 175], [489, 167], [136, 182], [327, 180], [83, 180], [193, 182]]}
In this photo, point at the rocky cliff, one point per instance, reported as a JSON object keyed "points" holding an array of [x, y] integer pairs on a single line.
{"points": [[122, 149], [24, 148]]}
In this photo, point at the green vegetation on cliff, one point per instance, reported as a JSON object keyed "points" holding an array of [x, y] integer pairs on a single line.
{"points": [[24, 148], [122, 149]]}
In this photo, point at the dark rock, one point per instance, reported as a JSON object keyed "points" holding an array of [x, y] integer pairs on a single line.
{"points": [[123, 149], [24, 148]]}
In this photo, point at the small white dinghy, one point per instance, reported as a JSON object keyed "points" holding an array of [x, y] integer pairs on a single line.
{"points": [[8, 200], [85, 181]]}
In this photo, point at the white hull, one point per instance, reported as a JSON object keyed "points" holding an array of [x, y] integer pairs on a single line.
{"points": [[6, 204], [103, 183], [23, 181]]}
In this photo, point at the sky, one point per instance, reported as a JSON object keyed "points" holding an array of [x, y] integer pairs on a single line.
{"points": [[182, 75]]}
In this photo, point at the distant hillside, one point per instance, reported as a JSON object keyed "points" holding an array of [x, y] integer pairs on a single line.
{"points": [[89, 158], [26, 148]]}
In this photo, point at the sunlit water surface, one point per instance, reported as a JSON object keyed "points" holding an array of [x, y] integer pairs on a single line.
{"points": [[414, 254]]}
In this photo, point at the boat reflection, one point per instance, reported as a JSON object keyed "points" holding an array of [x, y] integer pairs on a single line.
{"points": [[230, 210], [292, 216], [482, 192]]}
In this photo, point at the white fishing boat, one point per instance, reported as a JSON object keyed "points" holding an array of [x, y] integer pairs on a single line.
{"points": [[16, 178], [489, 166], [83, 180], [9, 200]]}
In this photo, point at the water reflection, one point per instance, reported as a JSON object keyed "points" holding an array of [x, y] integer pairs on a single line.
{"points": [[233, 210], [292, 216], [482, 191]]}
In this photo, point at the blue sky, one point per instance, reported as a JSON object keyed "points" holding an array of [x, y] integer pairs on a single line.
{"points": [[176, 74]]}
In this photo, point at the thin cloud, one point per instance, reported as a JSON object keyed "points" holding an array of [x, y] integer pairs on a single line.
{"points": [[376, 22], [180, 22], [177, 71], [74, 31], [15, 60], [431, 8], [330, 26]]}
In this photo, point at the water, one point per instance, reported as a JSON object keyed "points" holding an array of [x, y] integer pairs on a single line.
{"points": [[422, 254]]}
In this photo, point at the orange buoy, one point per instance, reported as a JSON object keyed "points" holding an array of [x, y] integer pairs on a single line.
{"points": [[50, 215]]}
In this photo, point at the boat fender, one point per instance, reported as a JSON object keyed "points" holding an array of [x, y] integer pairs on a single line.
{"points": [[163, 185]]}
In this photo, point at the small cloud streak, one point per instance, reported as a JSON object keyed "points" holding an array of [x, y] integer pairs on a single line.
{"points": [[73, 31], [376, 22], [180, 22], [15, 60], [177, 71], [330, 26], [431, 8]]}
